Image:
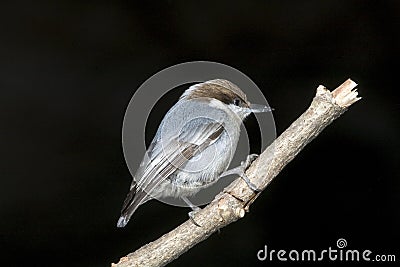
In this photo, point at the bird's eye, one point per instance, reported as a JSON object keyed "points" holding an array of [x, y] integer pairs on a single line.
{"points": [[237, 102]]}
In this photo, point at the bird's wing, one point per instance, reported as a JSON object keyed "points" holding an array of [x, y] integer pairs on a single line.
{"points": [[164, 158], [169, 155]]}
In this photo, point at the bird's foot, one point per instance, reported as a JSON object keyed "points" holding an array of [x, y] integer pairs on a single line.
{"points": [[241, 171], [194, 208], [192, 215]]}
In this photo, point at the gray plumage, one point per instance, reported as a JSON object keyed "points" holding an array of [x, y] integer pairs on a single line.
{"points": [[194, 144]]}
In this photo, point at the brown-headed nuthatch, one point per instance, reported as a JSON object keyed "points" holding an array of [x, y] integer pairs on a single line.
{"points": [[193, 146]]}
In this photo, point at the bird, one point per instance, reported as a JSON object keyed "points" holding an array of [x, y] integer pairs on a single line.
{"points": [[193, 146]]}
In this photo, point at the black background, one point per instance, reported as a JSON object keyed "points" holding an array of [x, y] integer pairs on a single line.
{"points": [[69, 68]]}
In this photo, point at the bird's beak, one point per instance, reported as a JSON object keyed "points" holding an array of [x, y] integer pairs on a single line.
{"points": [[255, 108]]}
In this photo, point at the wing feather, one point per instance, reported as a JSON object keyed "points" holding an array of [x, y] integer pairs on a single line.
{"points": [[163, 159]]}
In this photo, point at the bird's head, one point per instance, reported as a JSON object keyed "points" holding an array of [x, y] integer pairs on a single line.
{"points": [[223, 94]]}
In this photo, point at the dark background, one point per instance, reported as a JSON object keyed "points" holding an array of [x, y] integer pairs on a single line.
{"points": [[69, 68]]}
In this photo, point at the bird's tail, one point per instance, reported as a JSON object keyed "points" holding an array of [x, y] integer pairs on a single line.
{"points": [[132, 201], [127, 210]]}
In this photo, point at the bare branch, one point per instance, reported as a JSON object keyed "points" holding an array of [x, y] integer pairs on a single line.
{"points": [[231, 205]]}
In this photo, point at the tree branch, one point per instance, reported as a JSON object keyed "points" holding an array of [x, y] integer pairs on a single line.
{"points": [[231, 204]]}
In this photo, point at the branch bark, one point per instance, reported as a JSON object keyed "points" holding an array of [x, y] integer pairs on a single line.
{"points": [[232, 204]]}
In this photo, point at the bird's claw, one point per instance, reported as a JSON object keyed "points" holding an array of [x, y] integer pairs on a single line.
{"points": [[242, 172], [250, 158], [191, 216]]}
